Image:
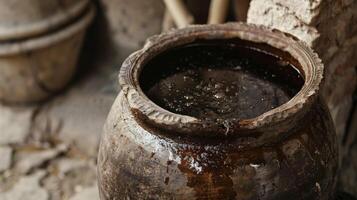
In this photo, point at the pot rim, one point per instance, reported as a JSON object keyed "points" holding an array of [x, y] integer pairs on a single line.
{"points": [[311, 67], [17, 47], [45, 25]]}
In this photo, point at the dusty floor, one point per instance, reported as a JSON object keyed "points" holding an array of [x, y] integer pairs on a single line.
{"points": [[48, 151]]}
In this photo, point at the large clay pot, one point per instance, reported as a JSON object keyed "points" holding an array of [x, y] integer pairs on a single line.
{"points": [[20, 19], [33, 69], [289, 152]]}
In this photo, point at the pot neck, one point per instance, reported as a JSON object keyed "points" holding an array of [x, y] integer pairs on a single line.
{"points": [[284, 116]]}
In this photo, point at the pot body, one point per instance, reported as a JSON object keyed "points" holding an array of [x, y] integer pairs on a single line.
{"points": [[19, 19], [32, 70], [135, 162], [288, 152]]}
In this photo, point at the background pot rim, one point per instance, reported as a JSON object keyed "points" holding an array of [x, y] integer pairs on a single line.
{"points": [[311, 67], [43, 26], [11, 48]]}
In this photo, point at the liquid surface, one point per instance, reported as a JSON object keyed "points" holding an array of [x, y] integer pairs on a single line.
{"points": [[215, 82]]}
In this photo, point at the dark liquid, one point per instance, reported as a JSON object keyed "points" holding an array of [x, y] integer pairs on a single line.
{"points": [[213, 81]]}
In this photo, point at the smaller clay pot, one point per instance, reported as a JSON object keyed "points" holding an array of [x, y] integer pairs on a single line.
{"points": [[132, 21], [33, 69], [20, 19]]}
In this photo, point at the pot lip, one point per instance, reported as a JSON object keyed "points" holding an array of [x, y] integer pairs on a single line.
{"points": [[45, 25], [17, 47], [311, 66]]}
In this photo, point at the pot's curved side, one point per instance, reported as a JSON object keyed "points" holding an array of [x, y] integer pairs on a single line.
{"points": [[135, 163], [33, 70], [22, 19]]}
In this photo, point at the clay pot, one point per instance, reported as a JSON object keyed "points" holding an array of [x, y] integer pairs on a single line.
{"points": [[289, 152], [20, 19], [33, 69]]}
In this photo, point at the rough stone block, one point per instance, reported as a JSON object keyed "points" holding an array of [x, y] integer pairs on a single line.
{"points": [[276, 16], [333, 38], [314, 11]]}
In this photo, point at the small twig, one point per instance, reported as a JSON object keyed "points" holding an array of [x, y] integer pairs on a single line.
{"points": [[218, 11], [168, 22], [179, 13]]}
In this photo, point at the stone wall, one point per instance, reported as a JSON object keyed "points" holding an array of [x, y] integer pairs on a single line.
{"points": [[330, 28]]}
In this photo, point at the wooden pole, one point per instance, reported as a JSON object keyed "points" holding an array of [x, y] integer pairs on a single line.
{"points": [[179, 13], [218, 11]]}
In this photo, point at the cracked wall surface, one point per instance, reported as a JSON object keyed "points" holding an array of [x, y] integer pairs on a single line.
{"points": [[330, 28]]}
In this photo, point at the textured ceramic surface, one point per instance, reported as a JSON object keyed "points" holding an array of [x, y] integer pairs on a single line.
{"points": [[289, 152], [19, 19], [33, 69]]}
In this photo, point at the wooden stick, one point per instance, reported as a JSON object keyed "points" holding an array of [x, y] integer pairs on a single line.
{"points": [[218, 11], [168, 22], [179, 13]]}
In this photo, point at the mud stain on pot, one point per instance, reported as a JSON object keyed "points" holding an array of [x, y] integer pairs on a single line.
{"points": [[212, 170], [206, 172], [222, 171], [219, 81]]}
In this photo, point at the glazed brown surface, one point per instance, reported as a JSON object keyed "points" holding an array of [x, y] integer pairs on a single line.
{"points": [[141, 165], [288, 152], [223, 81]]}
